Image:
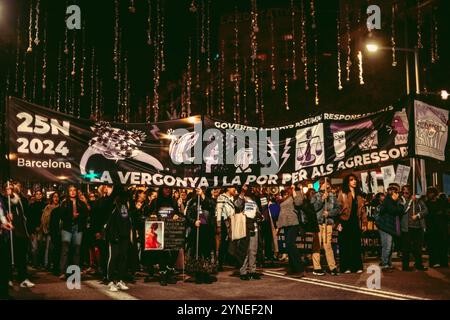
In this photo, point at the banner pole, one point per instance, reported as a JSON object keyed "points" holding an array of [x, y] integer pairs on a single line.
{"points": [[10, 231], [414, 182], [198, 228], [325, 206]]}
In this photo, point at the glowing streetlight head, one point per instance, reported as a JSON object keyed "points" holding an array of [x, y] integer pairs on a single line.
{"points": [[444, 94], [372, 47]]}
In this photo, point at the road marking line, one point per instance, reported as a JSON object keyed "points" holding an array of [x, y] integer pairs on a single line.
{"points": [[389, 294], [336, 287], [120, 295]]}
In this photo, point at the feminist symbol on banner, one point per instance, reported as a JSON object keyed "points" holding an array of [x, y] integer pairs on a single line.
{"points": [[117, 144]]}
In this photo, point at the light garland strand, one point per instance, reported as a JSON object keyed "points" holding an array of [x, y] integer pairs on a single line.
{"points": [[236, 69], [83, 62], [93, 114], [202, 28], [66, 45], [97, 94], [149, 23], [339, 68], [272, 53], [316, 68], [16, 80], [34, 78], [349, 42], [360, 66], [304, 45], [419, 25], [74, 55], [58, 84], [131, 7], [222, 77], [208, 37], [162, 37], [286, 91], [197, 73], [116, 41], [253, 39], [30, 30], [36, 26], [245, 91], [189, 79], [24, 72], [434, 37], [44, 63], [261, 99], [393, 42], [294, 54]]}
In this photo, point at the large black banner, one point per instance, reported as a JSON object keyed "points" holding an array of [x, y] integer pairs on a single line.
{"points": [[46, 145]]}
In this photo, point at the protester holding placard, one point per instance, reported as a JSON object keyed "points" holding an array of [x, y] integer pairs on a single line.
{"points": [[246, 203], [164, 207], [353, 217]]}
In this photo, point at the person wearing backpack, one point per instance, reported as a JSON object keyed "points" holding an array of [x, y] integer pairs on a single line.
{"points": [[388, 224]]}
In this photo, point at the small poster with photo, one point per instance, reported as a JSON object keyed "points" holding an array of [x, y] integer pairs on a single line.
{"points": [[154, 235]]}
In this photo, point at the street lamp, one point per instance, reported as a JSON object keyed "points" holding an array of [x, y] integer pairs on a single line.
{"points": [[373, 47], [444, 94]]}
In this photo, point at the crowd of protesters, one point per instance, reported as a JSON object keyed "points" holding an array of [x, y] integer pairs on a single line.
{"points": [[103, 232]]}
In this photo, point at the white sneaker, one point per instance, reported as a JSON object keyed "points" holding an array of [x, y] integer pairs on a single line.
{"points": [[27, 284], [121, 285], [11, 284], [347, 271], [359, 271], [112, 287]]}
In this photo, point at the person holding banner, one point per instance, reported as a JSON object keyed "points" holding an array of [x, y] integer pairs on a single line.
{"points": [[327, 209], [289, 220], [73, 216], [5, 257], [20, 236], [200, 219], [225, 208], [412, 229], [353, 217]]}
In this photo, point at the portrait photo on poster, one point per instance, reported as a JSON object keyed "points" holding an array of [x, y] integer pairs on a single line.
{"points": [[154, 235]]}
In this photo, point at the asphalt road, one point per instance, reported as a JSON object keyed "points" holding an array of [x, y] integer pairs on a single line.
{"points": [[274, 285]]}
